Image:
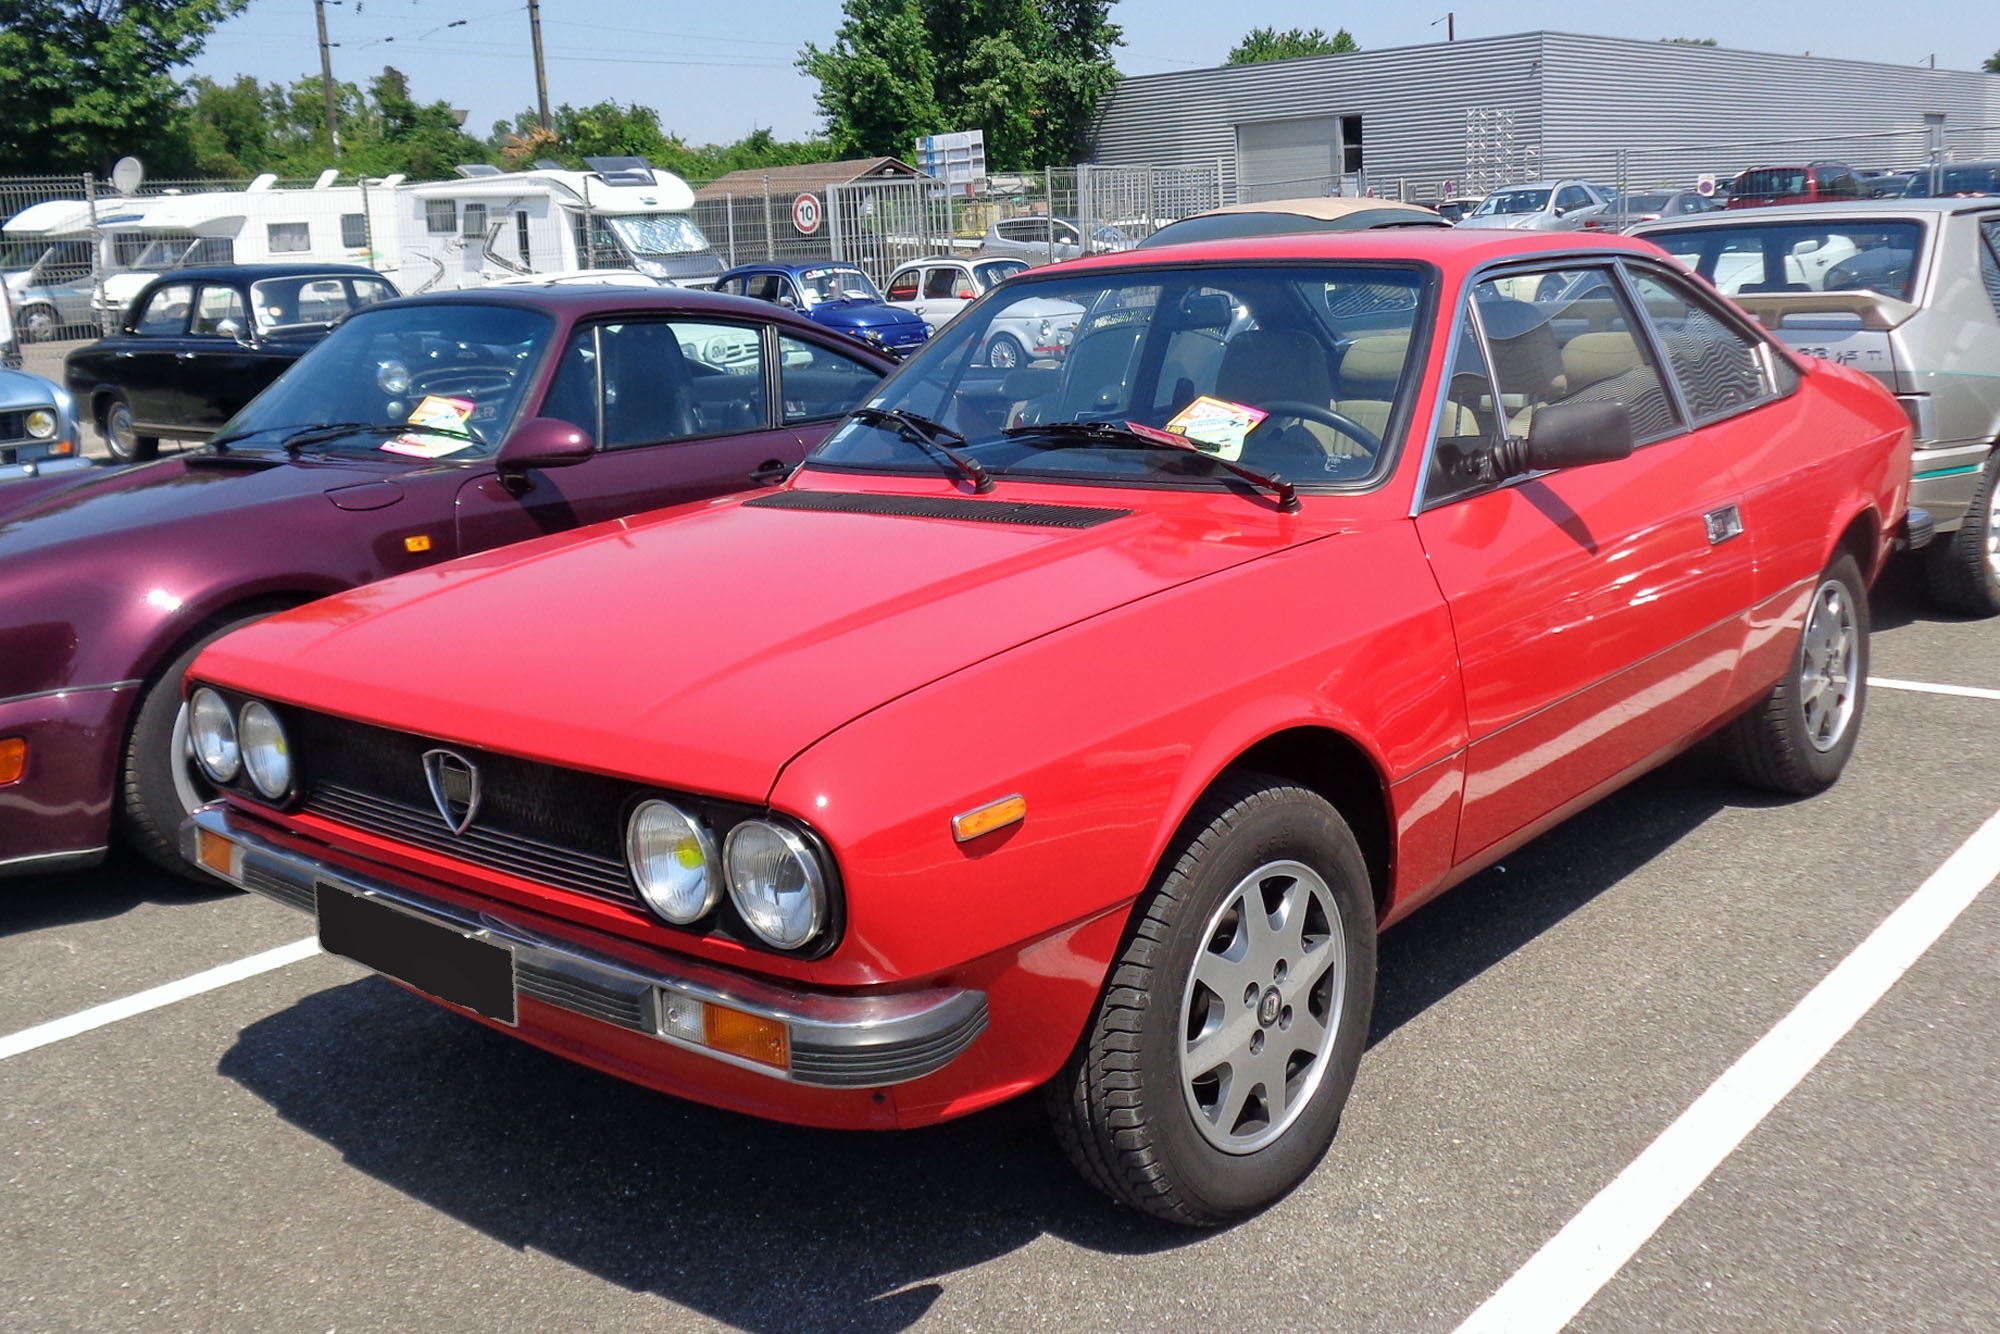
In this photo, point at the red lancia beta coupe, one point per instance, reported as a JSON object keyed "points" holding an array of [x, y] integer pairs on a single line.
{"points": [[1077, 725]]}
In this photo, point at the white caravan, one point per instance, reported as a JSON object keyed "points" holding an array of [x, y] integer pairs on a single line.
{"points": [[50, 254], [622, 216]]}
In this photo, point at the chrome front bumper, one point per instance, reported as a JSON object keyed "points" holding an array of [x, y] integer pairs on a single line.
{"points": [[833, 1040]]}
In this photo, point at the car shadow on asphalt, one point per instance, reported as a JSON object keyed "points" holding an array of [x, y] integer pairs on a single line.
{"points": [[761, 1225], [122, 883]]}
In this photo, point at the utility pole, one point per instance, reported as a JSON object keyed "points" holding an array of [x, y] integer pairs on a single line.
{"points": [[541, 71], [326, 77]]}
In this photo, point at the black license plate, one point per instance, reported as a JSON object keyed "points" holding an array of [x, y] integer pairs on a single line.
{"points": [[437, 960]]}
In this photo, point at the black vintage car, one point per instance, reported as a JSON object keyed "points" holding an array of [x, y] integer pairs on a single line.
{"points": [[198, 344]]}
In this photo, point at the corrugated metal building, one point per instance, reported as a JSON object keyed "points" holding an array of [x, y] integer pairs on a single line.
{"points": [[1475, 114]]}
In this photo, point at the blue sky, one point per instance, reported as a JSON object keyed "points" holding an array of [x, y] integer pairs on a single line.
{"points": [[717, 71]]}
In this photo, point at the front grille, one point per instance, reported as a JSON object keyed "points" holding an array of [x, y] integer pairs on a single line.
{"points": [[551, 825], [13, 427]]}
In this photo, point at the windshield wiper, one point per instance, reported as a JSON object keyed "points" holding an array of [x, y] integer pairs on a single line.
{"points": [[1131, 435], [932, 436]]}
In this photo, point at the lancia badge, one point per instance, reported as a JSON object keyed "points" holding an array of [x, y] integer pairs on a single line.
{"points": [[454, 787]]}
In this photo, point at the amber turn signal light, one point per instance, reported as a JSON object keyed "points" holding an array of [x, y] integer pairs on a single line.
{"points": [[985, 819], [750, 1036], [421, 542], [13, 758], [218, 854]]}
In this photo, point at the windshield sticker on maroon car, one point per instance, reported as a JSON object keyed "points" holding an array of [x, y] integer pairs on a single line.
{"points": [[1217, 426], [441, 414]]}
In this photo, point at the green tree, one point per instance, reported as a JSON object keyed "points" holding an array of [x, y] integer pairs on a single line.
{"points": [[83, 82], [1262, 44], [1688, 41], [1030, 74], [1992, 65]]}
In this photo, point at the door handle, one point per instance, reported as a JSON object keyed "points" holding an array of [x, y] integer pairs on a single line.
{"points": [[770, 472], [183, 356], [1723, 524]]}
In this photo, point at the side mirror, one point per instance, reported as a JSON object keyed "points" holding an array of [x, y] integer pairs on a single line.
{"points": [[543, 442], [231, 329], [1568, 435]]}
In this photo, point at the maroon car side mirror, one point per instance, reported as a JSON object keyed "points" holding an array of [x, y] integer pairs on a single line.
{"points": [[543, 442]]}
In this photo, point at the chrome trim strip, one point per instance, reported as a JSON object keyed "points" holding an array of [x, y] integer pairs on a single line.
{"points": [[836, 1040], [68, 690], [1443, 397], [12, 864]]}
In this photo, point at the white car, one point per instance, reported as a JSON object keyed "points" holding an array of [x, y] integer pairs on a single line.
{"points": [[937, 289], [1542, 206]]}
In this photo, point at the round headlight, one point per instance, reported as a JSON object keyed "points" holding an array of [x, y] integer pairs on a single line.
{"points": [[265, 754], [673, 862], [775, 882], [41, 423], [212, 732], [392, 378]]}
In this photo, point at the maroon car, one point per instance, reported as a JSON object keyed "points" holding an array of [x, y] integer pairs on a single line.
{"points": [[419, 430]]}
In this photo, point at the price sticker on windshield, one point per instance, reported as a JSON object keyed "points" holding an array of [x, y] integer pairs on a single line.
{"points": [[1217, 426], [444, 414]]}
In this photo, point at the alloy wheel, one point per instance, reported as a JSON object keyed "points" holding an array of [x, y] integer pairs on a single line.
{"points": [[1827, 688]]}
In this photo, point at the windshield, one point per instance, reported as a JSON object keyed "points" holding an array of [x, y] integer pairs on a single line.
{"points": [[459, 369], [1303, 371], [650, 234], [1513, 201], [1846, 256], [820, 286], [18, 255]]}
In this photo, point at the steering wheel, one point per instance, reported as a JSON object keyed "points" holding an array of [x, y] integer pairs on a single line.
{"points": [[1318, 412], [472, 382]]}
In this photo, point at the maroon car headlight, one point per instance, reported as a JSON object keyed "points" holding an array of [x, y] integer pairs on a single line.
{"points": [[267, 756], [673, 862], [776, 883], [212, 732]]}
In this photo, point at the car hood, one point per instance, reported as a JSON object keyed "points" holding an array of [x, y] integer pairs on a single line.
{"points": [[24, 389], [703, 649], [862, 315], [118, 504]]}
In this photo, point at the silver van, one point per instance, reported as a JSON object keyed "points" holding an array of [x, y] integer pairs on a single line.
{"points": [[1907, 290]]}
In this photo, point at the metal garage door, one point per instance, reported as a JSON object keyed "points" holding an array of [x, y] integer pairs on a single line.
{"points": [[1283, 159]]}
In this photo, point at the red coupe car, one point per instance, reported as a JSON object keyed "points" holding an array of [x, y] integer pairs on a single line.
{"points": [[1078, 725]]}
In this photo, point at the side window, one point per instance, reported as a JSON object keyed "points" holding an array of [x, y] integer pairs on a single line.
{"points": [[215, 305], [903, 287], [670, 380], [1989, 260], [1572, 197], [166, 311], [1719, 369], [68, 261], [1567, 336], [289, 238], [353, 230], [940, 282], [573, 394], [440, 216], [819, 382], [1468, 428], [474, 224]]}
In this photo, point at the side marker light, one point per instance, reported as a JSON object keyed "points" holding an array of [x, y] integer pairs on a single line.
{"points": [[985, 819], [421, 542], [13, 759], [220, 855]]}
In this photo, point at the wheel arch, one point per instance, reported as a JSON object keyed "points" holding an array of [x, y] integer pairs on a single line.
{"points": [[1863, 539], [175, 638]]}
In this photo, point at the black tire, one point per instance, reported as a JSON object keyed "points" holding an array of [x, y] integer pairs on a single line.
{"points": [[1962, 569], [151, 805], [1796, 739], [1005, 352], [121, 436], [1126, 1107]]}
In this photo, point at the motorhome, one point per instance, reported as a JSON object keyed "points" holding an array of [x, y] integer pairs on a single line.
{"points": [[490, 226], [51, 254]]}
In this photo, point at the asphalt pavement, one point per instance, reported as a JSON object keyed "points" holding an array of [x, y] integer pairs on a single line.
{"points": [[314, 1149]]}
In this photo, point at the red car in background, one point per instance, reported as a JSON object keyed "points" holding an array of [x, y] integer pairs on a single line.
{"points": [[1810, 184], [1077, 726], [418, 430]]}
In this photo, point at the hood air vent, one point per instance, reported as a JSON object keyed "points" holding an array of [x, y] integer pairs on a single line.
{"points": [[1019, 513]]}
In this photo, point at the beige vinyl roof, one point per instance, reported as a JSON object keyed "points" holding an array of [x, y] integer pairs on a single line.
{"points": [[1324, 207]]}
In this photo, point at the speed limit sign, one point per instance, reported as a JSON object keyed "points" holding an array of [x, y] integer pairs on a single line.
{"points": [[806, 214]]}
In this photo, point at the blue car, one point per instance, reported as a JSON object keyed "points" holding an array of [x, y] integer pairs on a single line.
{"points": [[838, 296]]}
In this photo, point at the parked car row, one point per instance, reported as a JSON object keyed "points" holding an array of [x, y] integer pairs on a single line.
{"points": [[1068, 710]]}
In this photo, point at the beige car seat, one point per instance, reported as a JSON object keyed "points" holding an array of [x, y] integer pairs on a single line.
{"points": [[1261, 366]]}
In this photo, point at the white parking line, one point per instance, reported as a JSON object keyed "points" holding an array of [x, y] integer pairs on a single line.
{"points": [[97, 1016], [1927, 688], [1558, 1280]]}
